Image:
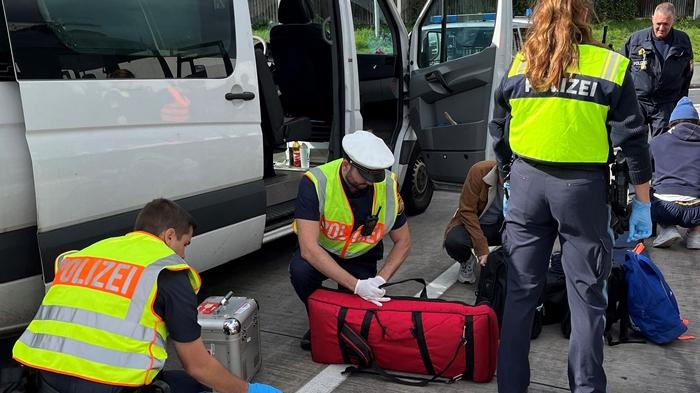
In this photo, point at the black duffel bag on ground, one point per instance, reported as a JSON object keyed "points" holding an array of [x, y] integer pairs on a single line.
{"points": [[491, 289]]}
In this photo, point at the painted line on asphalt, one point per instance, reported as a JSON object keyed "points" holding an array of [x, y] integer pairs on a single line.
{"points": [[330, 377]]}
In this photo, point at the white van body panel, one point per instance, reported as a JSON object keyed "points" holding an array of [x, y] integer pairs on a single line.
{"points": [[77, 150], [406, 132], [17, 209], [121, 155], [353, 118], [210, 249]]}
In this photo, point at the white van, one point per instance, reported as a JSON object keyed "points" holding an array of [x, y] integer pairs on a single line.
{"points": [[109, 104]]}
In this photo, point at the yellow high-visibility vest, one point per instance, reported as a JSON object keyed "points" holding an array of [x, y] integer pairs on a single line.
{"points": [[569, 123], [97, 321], [337, 220]]}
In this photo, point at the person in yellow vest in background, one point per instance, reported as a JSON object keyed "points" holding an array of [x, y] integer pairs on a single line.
{"points": [[565, 103], [343, 210], [104, 323]]}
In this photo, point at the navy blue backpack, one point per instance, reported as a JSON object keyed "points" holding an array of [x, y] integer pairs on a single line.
{"points": [[651, 303]]}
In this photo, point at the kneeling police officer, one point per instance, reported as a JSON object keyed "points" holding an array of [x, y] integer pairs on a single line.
{"points": [[343, 210], [104, 324]]}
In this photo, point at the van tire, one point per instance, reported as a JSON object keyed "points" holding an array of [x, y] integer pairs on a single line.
{"points": [[417, 189]]}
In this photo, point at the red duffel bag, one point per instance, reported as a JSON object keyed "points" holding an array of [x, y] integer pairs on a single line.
{"points": [[447, 340]]}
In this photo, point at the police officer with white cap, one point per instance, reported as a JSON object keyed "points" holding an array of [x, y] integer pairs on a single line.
{"points": [[343, 210]]}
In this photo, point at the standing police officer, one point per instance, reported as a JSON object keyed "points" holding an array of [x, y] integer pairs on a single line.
{"points": [[661, 61], [557, 114], [343, 210]]}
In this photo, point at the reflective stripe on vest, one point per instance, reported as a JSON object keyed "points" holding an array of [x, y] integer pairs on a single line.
{"points": [[337, 220], [567, 124], [97, 321]]}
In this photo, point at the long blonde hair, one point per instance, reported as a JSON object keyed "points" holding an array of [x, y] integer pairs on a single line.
{"points": [[557, 25]]}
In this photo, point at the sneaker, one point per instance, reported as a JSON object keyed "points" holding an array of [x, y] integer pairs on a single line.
{"points": [[466, 271], [305, 342], [666, 237], [692, 240]]}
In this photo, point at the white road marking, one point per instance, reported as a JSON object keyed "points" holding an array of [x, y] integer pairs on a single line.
{"points": [[445, 280], [330, 377]]}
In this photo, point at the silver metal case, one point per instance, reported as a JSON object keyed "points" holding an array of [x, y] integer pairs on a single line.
{"points": [[231, 333]]}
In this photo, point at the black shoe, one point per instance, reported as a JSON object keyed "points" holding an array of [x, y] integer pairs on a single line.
{"points": [[305, 342]]}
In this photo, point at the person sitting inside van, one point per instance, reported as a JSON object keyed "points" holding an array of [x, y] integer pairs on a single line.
{"points": [[477, 223], [676, 199]]}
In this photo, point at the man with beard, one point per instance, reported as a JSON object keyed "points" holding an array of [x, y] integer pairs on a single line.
{"points": [[343, 210]]}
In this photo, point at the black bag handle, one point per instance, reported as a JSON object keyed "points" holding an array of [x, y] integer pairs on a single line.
{"points": [[423, 292]]}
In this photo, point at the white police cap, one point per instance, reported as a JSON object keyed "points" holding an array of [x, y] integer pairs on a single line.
{"points": [[367, 151]]}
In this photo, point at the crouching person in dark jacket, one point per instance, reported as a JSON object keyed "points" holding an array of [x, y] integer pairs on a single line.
{"points": [[676, 199]]}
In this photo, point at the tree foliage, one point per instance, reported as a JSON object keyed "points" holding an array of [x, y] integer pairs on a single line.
{"points": [[606, 9], [519, 6], [616, 9]]}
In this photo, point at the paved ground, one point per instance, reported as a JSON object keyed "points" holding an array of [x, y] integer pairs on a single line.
{"points": [[263, 275], [631, 368], [695, 82]]}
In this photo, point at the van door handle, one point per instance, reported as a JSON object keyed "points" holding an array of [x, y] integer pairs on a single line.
{"points": [[436, 77], [245, 96]]}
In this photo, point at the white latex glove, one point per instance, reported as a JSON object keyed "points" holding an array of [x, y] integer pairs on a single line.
{"points": [[369, 290]]}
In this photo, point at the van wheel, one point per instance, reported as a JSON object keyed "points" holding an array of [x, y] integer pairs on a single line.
{"points": [[417, 189]]}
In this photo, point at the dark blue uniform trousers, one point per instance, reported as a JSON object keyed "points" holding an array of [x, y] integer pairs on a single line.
{"points": [[656, 116], [547, 202], [306, 279]]}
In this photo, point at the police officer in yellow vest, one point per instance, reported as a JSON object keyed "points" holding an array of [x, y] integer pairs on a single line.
{"points": [[343, 210], [104, 323], [566, 101]]}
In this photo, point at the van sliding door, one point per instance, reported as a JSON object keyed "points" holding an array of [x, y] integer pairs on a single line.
{"points": [[128, 100]]}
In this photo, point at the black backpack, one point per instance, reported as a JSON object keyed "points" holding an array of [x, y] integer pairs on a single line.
{"points": [[491, 289], [556, 303], [617, 299]]}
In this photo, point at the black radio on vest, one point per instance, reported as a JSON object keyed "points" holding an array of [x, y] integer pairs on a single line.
{"points": [[370, 223]]}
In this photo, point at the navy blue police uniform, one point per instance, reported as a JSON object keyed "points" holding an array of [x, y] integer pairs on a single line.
{"points": [[662, 70], [554, 195]]}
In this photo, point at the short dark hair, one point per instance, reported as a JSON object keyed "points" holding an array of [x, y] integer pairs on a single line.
{"points": [[160, 214]]}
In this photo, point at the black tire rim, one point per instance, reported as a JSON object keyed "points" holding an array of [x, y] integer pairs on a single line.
{"points": [[420, 178]]}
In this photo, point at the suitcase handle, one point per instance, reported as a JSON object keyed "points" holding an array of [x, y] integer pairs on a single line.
{"points": [[423, 292]]}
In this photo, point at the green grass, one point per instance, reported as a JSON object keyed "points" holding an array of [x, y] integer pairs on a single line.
{"points": [[262, 33], [618, 32]]}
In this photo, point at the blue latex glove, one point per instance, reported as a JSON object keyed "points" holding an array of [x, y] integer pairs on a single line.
{"points": [[506, 195], [262, 388], [640, 221]]}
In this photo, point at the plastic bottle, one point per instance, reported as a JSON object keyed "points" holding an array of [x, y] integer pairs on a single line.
{"points": [[296, 154], [304, 149]]}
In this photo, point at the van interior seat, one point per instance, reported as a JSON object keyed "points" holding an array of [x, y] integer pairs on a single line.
{"points": [[303, 63], [276, 128]]}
